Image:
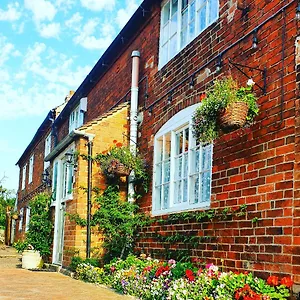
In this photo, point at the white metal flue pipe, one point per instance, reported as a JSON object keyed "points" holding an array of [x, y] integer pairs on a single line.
{"points": [[133, 116]]}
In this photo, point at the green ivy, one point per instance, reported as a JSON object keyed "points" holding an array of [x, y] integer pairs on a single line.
{"points": [[119, 222], [39, 234], [206, 215]]}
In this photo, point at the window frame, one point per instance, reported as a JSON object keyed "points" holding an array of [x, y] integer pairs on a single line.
{"points": [[179, 122], [30, 170], [197, 31], [47, 150], [21, 219], [28, 211], [24, 171], [78, 111]]}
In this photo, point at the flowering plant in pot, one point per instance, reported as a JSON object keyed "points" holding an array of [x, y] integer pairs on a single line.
{"points": [[120, 161], [225, 107]]}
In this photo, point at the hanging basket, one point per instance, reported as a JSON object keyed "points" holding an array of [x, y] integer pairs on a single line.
{"points": [[117, 168], [234, 116]]}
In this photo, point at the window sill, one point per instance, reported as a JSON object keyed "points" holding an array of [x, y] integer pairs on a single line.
{"points": [[203, 206]]}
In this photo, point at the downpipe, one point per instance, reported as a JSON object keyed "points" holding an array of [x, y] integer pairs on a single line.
{"points": [[133, 118]]}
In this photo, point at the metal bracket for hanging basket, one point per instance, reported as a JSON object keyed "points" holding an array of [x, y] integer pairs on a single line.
{"points": [[263, 71]]}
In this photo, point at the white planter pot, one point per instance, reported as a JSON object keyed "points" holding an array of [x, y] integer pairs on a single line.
{"points": [[31, 259]]}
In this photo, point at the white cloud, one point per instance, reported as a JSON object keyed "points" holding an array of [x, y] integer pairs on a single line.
{"points": [[39, 83], [6, 50], [4, 76], [124, 14], [49, 30], [64, 5], [98, 5], [18, 28], [95, 36], [42, 10], [11, 14], [74, 21]]}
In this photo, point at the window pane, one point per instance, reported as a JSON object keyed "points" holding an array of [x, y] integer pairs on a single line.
{"points": [[167, 146], [158, 198], [186, 165], [173, 46], [159, 150], [165, 34], [184, 26], [158, 179], [202, 19], [195, 189], [196, 160], [186, 139], [167, 171], [185, 190], [192, 20], [179, 143], [206, 158], [205, 186], [70, 179], [164, 53], [184, 3], [166, 13], [173, 28], [178, 168], [166, 196], [174, 7], [178, 192], [213, 11]]}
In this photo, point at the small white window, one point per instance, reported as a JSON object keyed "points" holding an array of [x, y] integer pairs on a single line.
{"points": [[54, 181], [31, 161], [24, 176], [181, 22], [21, 218], [27, 218], [67, 180], [77, 115], [182, 167], [47, 150]]}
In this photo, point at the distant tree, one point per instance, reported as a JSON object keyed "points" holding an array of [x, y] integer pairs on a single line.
{"points": [[6, 200]]}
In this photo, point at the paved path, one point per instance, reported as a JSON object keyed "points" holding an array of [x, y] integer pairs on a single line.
{"points": [[19, 284]]}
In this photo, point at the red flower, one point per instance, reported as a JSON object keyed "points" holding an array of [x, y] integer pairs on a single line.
{"points": [[287, 281], [190, 275], [161, 270], [273, 280], [202, 96]]}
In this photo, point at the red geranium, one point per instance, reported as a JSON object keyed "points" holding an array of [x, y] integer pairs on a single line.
{"points": [[287, 281], [190, 275], [161, 270], [273, 280]]}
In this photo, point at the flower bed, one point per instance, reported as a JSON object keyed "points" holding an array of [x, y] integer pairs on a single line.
{"points": [[150, 279]]}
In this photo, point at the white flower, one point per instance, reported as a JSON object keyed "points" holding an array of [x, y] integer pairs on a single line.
{"points": [[250, 82]]}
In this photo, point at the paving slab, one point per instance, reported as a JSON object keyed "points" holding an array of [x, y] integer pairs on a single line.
{"points": [[19, 284], [23, 284]]}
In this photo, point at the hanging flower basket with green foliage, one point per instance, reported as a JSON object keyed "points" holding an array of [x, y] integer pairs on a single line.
{"points": [[225, 107], [120, 161]]}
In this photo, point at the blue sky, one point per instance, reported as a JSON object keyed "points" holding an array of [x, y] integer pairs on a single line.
{"points": [[47, 48]]}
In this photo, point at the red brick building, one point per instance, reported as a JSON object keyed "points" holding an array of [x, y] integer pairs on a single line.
{"points": [[184, 46]]}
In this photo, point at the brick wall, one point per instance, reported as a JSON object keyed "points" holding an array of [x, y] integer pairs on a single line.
{"points": [[256, 166], [108, 130], [253, 166], [36, 186]]}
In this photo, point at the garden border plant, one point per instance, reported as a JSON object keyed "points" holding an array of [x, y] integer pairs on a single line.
{"points": [[119, 221], [40, 226], [150, 279]]}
